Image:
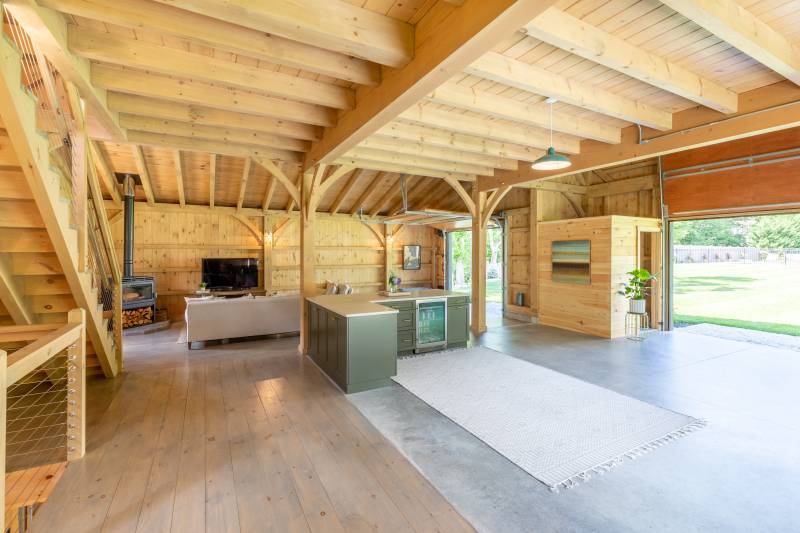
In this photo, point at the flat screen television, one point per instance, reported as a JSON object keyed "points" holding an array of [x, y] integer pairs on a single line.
{"points": [[230, 273]]}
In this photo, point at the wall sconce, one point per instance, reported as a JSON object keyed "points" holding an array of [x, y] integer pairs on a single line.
{"points": [[390, 239], [268, 237]]}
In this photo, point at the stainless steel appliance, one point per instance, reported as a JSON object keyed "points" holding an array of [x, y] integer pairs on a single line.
{"points": [[431, 324]]}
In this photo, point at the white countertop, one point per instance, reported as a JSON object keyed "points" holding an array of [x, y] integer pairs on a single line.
{"points": [[363, 304]]}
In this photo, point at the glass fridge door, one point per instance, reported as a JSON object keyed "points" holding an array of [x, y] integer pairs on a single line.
{"points": [[431, 323]]}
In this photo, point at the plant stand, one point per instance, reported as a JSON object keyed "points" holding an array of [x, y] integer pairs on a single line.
{"points": [[637, 325]]}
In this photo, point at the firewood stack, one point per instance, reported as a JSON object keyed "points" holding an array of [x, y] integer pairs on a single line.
{"points": [[137, 317]]}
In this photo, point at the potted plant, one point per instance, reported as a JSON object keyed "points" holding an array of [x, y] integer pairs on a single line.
{"points": [[636, 289], [203, 288]]}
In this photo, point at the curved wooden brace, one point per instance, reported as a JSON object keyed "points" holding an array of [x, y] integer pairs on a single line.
{"points": [[273, 169], [376, 233], [492, 202], [249, 225], [320, 187], [463, 194], [280, 227]]}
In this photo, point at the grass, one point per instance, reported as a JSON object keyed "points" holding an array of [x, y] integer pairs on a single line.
{"points": [[494, 290], [763, 297]]}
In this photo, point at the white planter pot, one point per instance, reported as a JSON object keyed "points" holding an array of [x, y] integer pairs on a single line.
{"points": [[637, 306]]}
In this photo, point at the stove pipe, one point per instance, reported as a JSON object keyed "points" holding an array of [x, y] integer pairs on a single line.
{"points": [[128, 184]]}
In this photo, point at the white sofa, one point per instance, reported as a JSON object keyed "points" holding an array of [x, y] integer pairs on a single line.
{"points": [[227, 318]]}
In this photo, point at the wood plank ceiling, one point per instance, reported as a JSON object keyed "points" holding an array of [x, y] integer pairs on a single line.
{"points": [[200, 86]]}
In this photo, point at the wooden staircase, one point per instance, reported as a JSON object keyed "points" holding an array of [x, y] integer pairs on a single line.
{"points": [[43, 270]]}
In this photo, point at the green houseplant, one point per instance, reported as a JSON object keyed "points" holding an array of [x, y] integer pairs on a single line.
{"points": [[636, 289]]}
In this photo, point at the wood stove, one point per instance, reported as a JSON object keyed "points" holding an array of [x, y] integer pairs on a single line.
{"points": [[138, 292]]}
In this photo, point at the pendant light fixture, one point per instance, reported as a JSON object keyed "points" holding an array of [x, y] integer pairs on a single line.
{"points": [[552, 160]]}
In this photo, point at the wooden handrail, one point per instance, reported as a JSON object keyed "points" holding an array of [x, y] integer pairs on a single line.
{"points": [[28, 358], [26, 332]]}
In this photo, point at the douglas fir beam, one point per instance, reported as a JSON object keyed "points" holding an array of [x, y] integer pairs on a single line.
{"points": [[472, 30], [308, 286], [478, 322]]}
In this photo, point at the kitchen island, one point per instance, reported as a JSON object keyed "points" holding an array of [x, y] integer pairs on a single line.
{"points": [[356, 338]]}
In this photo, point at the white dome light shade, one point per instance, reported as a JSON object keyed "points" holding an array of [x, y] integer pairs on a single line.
{"points": [[551, 161]]}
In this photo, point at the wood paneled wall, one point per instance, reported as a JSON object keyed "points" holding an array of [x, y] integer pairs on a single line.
{"points": [[170, 245], [596, 309], [616, 195]]}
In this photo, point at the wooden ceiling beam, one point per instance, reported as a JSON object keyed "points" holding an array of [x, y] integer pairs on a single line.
{"points": [[531, 78], [403, 169], [206, 116], [212, 179], [212, 133], [388, 195], [348, 187], [179, 177], [426, 135], [104, 170], [740, 28], [772, 108], [436, 152], [471, 30], [268, 193], [538, 115], [144, 174], [329, 24], [369, 190], [118, 50], [208, 95], [48, 29], [489, 129], [189, 144], [243, 184], [561, 29], [236, 39], [417, 161]]}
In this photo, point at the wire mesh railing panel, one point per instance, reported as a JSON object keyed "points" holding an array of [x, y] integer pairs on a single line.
{"points": [[39, 411], [46, 85]]}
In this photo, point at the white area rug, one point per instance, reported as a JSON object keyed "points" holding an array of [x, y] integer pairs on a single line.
{"points": [[557, 428], [776, 340]]}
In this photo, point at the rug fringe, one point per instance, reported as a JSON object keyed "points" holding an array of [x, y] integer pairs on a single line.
{"points": [[633, 454]]}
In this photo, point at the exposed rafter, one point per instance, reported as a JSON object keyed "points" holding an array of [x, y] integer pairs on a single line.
{"points": [[386, 156], [222, 35], [742, 29], [472, 30], [502, 69], [211, 133], [243, 184], [278, 174], [204, 145], [144, 174], [489, 129], [459, 141], [351, 182], [111, 48], [535, 115], [574, 35], [179, 177], [436, 152], [212, 179], [367, 194], [207, 116], [208, 95], [328, 24], [403, 168], [104, 170]]}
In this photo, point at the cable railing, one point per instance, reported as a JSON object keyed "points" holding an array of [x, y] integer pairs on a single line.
{"points": [[44, 417]]}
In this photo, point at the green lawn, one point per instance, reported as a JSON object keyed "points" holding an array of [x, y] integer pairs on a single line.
{"points": [[764, 297], [494, 290]]}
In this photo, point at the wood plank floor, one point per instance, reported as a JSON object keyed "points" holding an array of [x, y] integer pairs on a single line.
{"points": [[238, 437]]}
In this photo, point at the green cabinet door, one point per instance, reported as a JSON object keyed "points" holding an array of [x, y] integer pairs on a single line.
{"points": [[457, 324]]}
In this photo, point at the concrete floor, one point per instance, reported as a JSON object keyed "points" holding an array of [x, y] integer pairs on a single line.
{"points": [[740, 473]]}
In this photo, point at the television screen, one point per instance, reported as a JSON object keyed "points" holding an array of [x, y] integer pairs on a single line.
{"points": [[230, 274]]}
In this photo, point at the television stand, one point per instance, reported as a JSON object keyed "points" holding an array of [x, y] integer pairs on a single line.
{"points": [[237, 293]]}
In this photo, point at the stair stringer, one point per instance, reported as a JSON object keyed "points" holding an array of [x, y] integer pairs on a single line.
{"points": [[18, 111]]}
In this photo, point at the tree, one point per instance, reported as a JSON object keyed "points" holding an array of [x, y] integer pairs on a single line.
{"points": [[494, 241], [776, 231], [712, 232]]}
